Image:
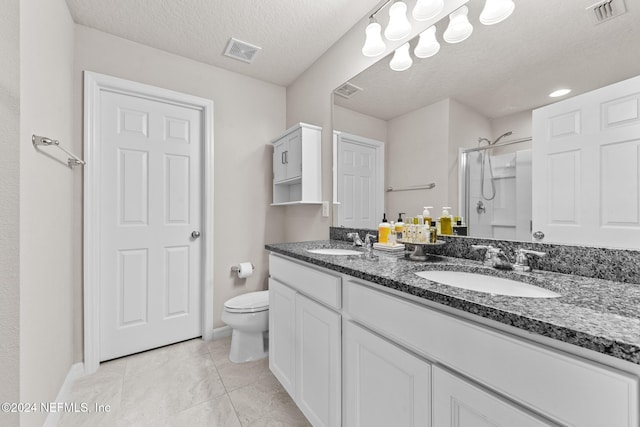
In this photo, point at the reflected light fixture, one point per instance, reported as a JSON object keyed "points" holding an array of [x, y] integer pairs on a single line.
{"points": [[459, 28], [496, 11], [427, 9], [373, 44], [401, 59], [427, 44], [559, 93], [399, 26]]}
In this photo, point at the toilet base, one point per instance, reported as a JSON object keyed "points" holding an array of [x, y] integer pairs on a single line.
{"points": [[247, 346]]}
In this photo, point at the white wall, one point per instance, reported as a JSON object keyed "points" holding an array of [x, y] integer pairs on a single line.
{"points": [[50, 264], [415, 155], [355, 123], [248, 113], [519, 123], [9, 207]]}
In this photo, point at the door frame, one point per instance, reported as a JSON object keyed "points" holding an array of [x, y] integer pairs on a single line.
{"points": [[94, 84], [378, 146]]}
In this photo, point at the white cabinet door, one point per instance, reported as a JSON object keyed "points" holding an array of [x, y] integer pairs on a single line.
{"points": [[586, 168], [287, 157], [279, 165], [318, 362], [457, 403], [383, 384], [282, 320]]}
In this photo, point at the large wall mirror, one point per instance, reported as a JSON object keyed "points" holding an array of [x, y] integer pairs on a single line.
{"points": [[436, 119]]}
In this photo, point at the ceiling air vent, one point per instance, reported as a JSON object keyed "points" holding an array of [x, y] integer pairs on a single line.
{"points": [[605, 10], [347, 90], [240, 50]]}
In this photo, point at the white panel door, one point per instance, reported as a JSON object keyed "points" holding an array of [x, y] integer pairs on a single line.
{"points": [[318, 363], [383, 384], [586, 168], [360, 181], [150, 264], [457, 403]]}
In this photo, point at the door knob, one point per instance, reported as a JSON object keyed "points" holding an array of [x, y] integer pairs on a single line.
{"points": [[195, 234], [538, 235]]}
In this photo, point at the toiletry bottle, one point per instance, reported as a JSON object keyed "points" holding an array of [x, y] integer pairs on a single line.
{"points": [[446, 222], [392, 234], [383, 230], [399, 227], [433, 233], [427, 215]]}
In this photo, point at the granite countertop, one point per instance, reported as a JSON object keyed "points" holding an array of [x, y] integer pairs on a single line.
{"points": [[599, 315]]}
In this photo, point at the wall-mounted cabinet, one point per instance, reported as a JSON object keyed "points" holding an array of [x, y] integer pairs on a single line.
{"points": [[297, 173]]}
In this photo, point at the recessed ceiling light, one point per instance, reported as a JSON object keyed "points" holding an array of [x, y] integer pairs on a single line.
{"points": [[559, 92]]}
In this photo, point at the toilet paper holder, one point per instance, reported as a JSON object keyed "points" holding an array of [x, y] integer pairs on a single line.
{"points": [[236, 268]]}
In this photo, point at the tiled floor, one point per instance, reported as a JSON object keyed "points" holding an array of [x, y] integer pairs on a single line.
{"points": [[187, 384]]}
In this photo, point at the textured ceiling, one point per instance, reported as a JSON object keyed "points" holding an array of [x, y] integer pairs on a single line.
{"points": [[512, 66], [291, 33]]}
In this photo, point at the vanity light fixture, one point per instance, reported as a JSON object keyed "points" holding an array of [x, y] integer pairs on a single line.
{"points": [[496, 11], [401, 59], [427, 44], [560, 92], [427, 9], [399, 26], [459, 28], [373, 44]]}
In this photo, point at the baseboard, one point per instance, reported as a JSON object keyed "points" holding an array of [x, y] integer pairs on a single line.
{"points": [[221, 332], [75, 371]]}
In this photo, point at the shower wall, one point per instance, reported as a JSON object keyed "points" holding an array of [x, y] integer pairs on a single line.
{"points": [[508, 214]]}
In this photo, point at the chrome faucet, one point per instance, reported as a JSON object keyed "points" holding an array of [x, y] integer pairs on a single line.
{"points": [[368, 243], [357, 241], [522, 259], [494, 257]]}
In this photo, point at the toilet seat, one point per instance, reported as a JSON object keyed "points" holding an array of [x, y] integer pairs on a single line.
{"points": [[251, 302]]}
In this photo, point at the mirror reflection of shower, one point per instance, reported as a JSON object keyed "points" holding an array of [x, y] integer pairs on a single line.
{"points": [[496, 188]]}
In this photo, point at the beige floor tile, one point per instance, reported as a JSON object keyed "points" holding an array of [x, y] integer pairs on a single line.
{"points": [[214, 413], [152, 360], [171, 388], [219, 350], [237, 375], [102, 400], [265, 403]]}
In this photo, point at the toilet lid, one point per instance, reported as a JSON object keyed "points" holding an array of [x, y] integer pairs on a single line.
{"points": [[248, 303]]}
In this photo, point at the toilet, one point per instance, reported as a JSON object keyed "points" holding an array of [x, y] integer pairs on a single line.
{"points": [[248, 317]]}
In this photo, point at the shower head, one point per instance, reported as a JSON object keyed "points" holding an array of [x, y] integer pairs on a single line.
{"points": [[500, 137]]}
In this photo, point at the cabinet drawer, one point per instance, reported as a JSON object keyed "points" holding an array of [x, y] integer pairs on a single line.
{"points": [[311, 282], [567, 389]]}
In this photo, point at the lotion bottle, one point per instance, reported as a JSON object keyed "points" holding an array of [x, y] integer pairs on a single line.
{"points": [[399, 227], [383, 230]]}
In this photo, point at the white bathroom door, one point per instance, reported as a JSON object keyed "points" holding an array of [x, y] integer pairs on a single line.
{"points": [[360, 181], [586, 168], [150, 214]]}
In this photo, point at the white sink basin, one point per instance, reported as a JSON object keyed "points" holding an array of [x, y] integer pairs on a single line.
{"points": [[488, 284], [334, 251]]}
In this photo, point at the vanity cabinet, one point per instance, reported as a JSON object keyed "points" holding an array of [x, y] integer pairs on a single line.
{"points": [[518, 376], [296, 165], [305, 338], [384, 385]]}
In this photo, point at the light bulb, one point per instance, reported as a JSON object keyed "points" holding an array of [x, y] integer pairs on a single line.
{"points": [[401, 59], [427, 45], [459, 28], [496, 11], [399, 26], [427, 9], [373, 44]]}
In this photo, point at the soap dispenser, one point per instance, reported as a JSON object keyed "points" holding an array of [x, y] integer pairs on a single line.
{"points": [[383, 230], [426, 214], [446, 220]]}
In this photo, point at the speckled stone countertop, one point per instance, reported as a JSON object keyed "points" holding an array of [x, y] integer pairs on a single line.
{"points": [[596, 314]]}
